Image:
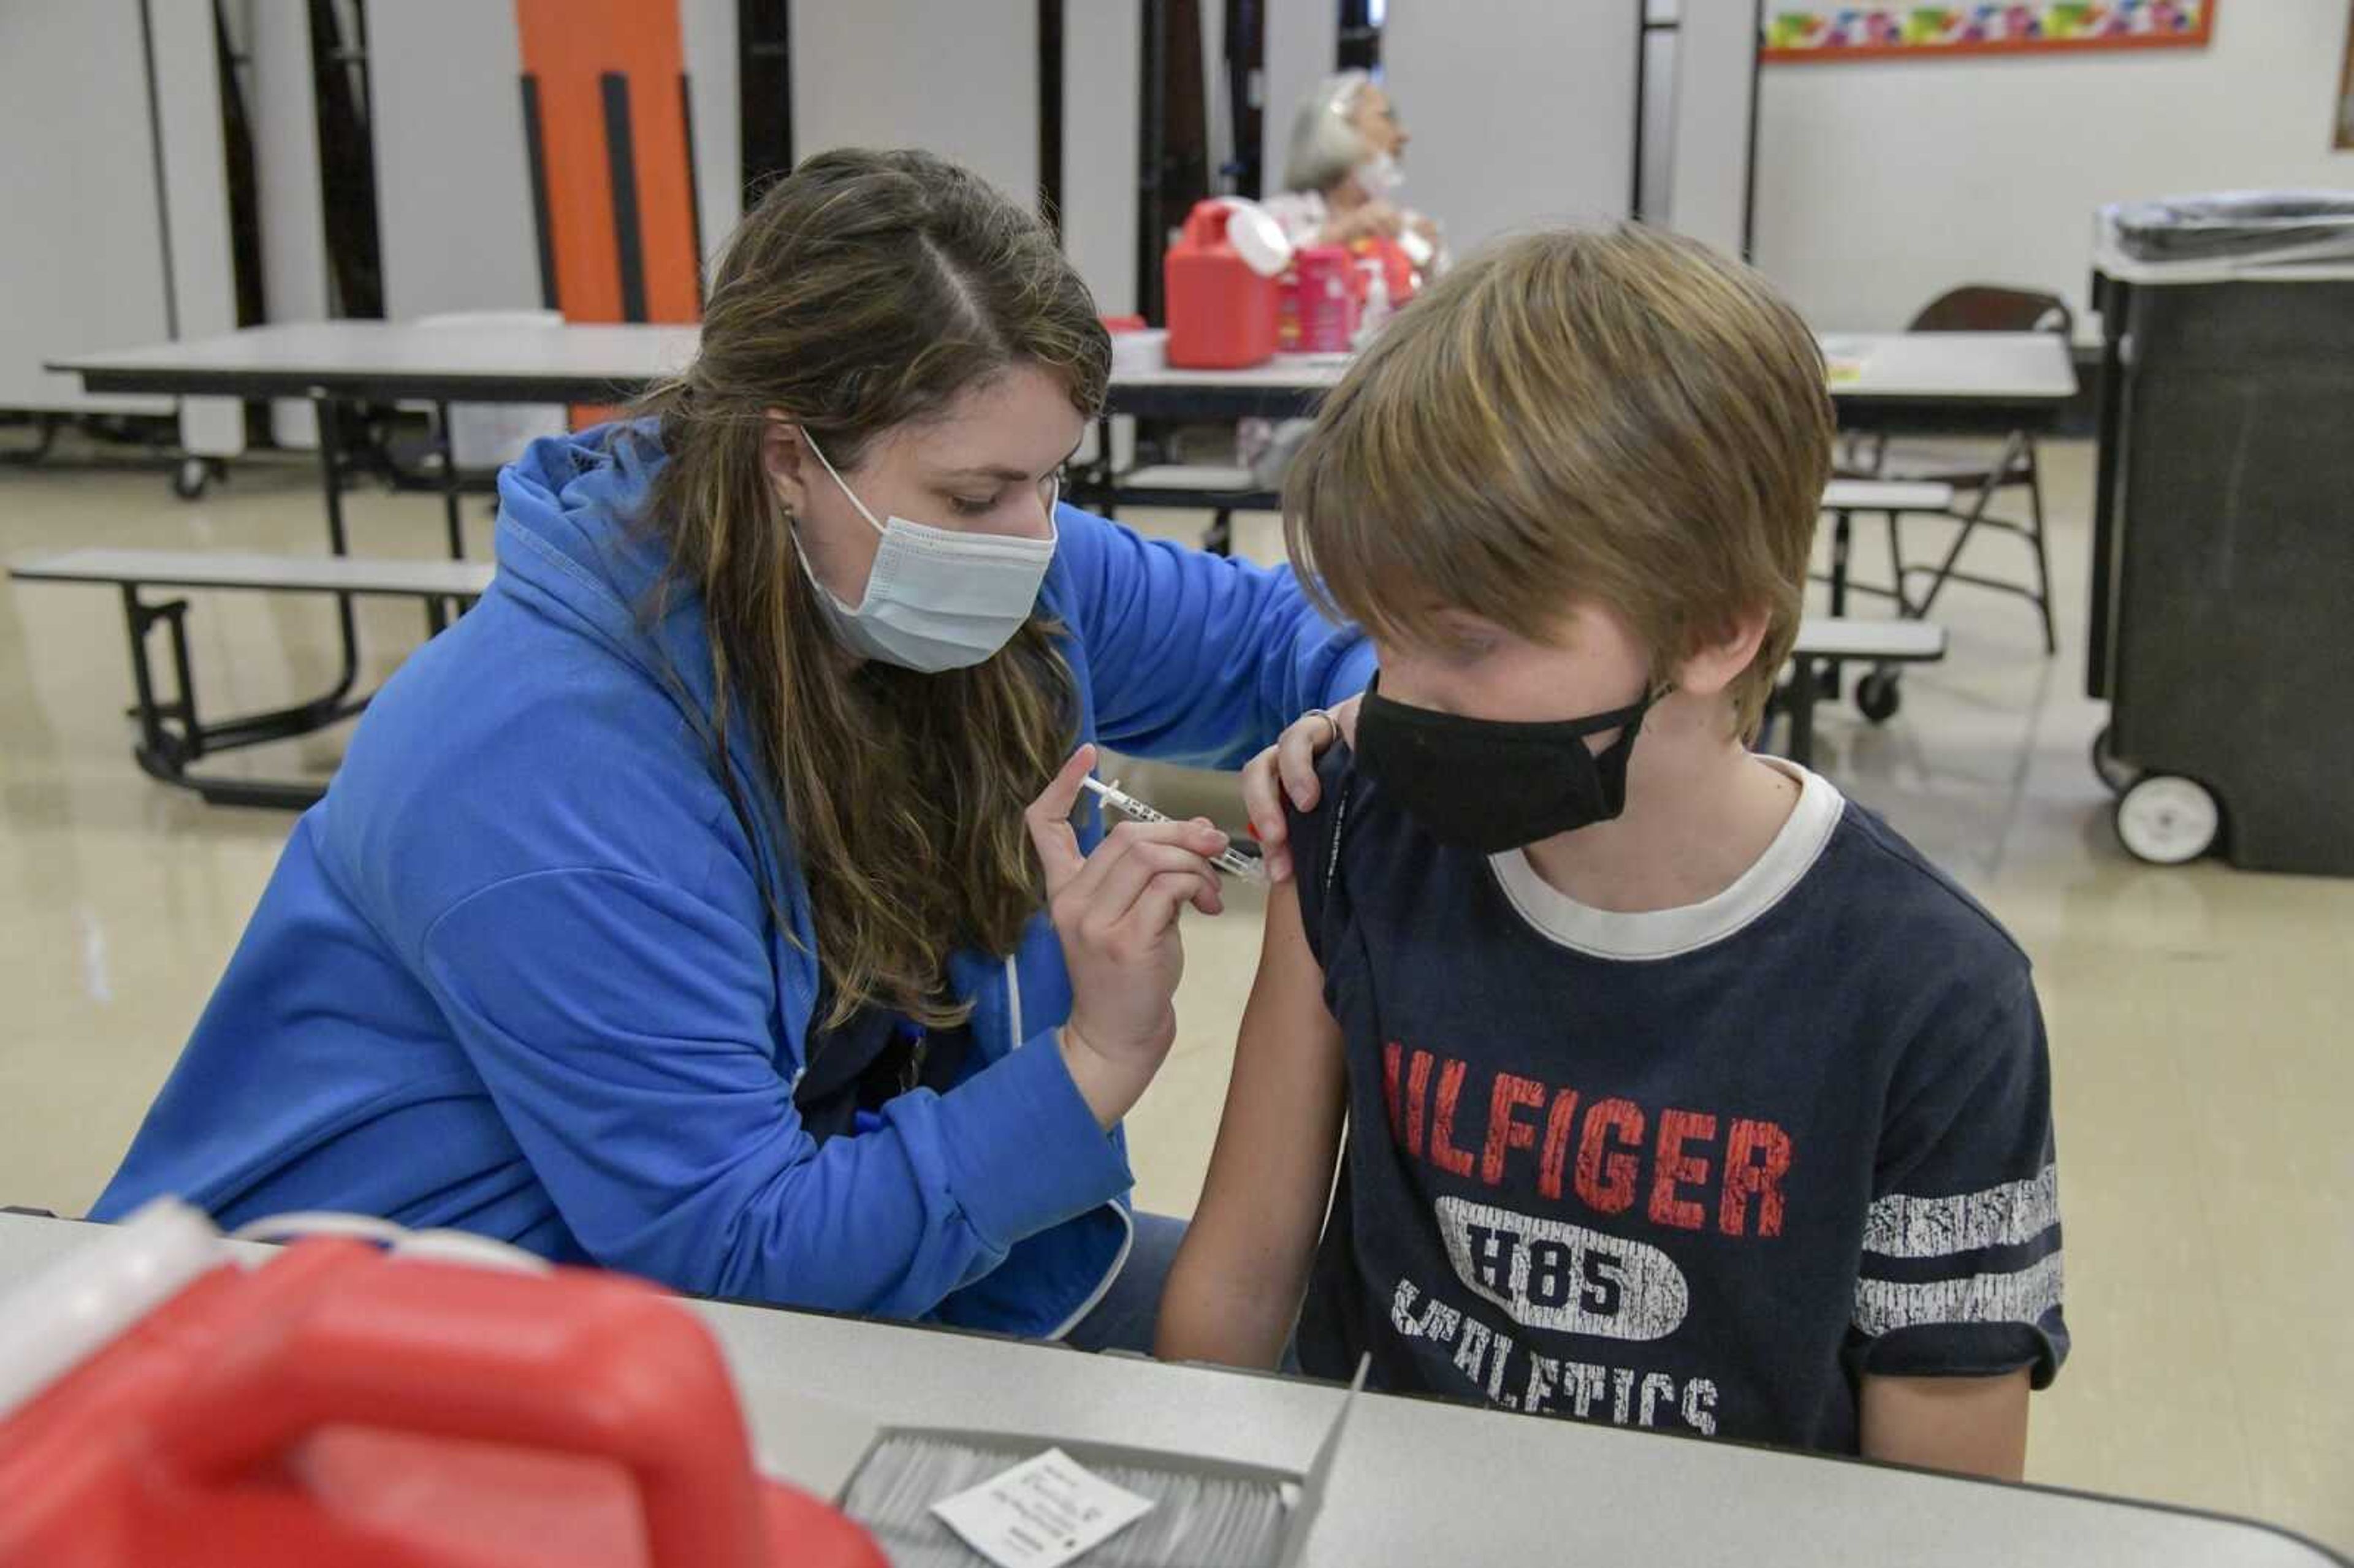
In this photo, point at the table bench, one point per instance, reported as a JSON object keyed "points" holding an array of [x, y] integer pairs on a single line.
{"points": [[1876, 695], [171, 735], [1826, 643]]}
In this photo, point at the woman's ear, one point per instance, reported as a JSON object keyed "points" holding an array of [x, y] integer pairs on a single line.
{"points": [[1716, 664], [786, 455]]}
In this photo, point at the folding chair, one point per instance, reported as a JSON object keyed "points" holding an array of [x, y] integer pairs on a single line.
{"points": [[1978, 308]]}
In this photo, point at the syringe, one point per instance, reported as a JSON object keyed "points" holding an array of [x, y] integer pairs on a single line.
{"points": [[1230, 859]]}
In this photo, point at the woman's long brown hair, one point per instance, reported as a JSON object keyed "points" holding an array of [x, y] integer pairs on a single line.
{"points": [[865, 290]]}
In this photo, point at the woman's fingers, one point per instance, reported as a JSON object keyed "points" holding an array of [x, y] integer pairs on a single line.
{"points": [[1296, 754], [1308, 739], [1049, 820], [1287, 770], [1084, 892], [1263, 802], [1130, 861], [1157, 906]]}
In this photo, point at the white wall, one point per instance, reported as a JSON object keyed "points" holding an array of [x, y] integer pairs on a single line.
{"points": [[284, 107], [707, 35], [1303, 41], [81, 247], [453, 185], [1522, 111], [83, 242], [1715, 60], [204, 275], [958, 77], [1101, 58], [452, 192], [1881, 184], [1217, 111], [1662, 58]]}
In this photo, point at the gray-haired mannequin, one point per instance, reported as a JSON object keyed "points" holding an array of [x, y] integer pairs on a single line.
{"points": [[1341, 171], [1340, 175]]}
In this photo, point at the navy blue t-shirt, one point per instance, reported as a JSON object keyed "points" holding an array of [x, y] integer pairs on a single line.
{"points": [[1696, 1169]]}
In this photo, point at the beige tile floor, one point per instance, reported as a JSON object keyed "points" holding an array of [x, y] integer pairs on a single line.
{"points": [[2199, 1017]]}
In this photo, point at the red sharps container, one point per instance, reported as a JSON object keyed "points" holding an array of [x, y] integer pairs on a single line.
{"points": [[342, 1407], [1220, 281]]}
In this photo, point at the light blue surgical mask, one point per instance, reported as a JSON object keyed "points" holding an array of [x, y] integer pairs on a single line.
{"points": [[936, 599]]}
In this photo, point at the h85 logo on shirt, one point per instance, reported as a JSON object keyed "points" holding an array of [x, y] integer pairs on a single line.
{"points": [[1548, 1274]]}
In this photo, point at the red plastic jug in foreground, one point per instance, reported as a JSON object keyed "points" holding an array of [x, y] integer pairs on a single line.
{"points": [[1220, 279], [339, 1408]]}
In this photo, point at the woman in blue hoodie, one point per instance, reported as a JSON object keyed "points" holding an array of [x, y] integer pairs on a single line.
{"points": [[684, 909]]}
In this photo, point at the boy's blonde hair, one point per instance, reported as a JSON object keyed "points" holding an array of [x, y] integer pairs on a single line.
{"points": [[1623, 417]]}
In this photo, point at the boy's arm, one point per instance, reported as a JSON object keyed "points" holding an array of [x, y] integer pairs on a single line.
{"points": [[1976, 1425], [1959, 1287], [1236, 1288]]}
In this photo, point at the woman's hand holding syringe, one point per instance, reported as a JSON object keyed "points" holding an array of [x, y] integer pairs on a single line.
{"points": [[1230, 859], [1117, 912]]}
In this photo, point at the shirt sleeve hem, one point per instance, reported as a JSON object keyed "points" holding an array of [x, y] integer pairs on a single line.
{"points": [[1997, 1351]]}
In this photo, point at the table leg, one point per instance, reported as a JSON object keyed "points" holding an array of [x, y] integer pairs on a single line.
{"points": [[1101, 477], [1803, 685], [1220, 538], [1833, 682], [452, 512], [159, 753], [330, 474], [1842, 542]]}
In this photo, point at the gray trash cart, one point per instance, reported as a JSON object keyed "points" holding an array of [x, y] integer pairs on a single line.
{"points": [[2222, 615]]}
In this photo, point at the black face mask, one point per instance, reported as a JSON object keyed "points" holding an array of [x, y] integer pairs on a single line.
{"points": [[1489, 785]]}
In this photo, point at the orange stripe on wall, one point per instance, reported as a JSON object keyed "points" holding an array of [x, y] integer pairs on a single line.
{"points": [[568, 46]]}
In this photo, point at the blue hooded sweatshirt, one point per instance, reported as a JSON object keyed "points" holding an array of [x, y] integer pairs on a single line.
{"points": [[517, 974]]}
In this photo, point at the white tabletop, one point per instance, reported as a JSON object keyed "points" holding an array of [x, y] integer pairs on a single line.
{"points": [[1283, 373], [1898, 640], [240, 569], [623, 356], [1422, 1482], [1886, 495], [2005, 366]]}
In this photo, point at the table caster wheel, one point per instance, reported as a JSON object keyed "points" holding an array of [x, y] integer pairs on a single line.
{"points": [[2167, 820], [191, 478], [1878, 696]]}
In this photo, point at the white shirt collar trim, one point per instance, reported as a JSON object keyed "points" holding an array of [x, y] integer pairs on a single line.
{"points": [[1668, 933]]}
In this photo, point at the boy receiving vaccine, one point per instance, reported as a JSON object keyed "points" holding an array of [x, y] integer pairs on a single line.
{"points": [[1667, 1088]]}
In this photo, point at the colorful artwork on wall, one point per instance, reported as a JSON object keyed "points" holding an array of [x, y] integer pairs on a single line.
{"points": [[1826, 34]]}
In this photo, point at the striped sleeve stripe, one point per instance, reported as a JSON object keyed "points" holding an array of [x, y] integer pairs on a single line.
{"points": [[1902, 1226], [2024, 1297]]}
